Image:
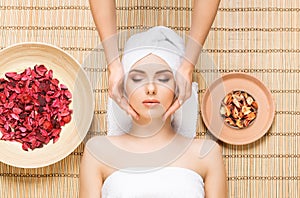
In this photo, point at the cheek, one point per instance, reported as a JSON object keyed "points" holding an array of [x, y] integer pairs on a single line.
{"points": [[134, 96], [167, 97], [129, 88]]}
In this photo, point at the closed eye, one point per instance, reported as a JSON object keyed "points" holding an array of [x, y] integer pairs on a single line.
{"points": [[136, 79], [164, 80]]}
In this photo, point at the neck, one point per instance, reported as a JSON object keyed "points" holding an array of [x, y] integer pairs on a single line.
{"points": [[151, 129]]}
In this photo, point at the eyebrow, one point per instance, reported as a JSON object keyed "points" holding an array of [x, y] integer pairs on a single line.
{"points": [[143, 72]]}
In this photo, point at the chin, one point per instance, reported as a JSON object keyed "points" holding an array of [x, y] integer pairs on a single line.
{"points": [[151, 115], [156, 112]]}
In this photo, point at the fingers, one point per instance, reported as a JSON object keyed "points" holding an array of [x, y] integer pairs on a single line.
{"points": [[115, 80], [184, 89], [125, 106], [181, 92], [172, 109], [116, 92], [117, 95]]}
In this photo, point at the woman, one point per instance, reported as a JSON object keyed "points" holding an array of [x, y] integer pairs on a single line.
{"points": [[152, 158], [104, 14]]}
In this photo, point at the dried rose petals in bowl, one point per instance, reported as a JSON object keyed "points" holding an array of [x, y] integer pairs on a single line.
{"points": [[33, 107], [239, 109]]}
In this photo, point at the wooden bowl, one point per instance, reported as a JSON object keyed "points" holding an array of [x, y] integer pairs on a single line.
{"points": [[210, 108], [69, 72]]}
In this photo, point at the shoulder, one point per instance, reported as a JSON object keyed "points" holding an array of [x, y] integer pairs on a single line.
{"points": [[92, 147], [206, 152], [98, 152], [104, 149], [207, 155], [206, 148], [97, 143]]}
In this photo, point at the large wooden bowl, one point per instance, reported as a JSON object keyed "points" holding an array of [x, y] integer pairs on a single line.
{"points": [[69, 72]]}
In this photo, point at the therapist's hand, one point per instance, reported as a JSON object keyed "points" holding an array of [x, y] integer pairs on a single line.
{"points": [[183, 78], [116, 89]]}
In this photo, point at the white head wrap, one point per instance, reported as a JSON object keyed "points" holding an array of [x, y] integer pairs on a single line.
{"points": [[168, 45]]}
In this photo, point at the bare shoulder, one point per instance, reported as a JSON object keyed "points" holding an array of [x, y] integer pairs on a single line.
{"points": [[91, 148], [211, 165], [97, 153], [98, 143], [103, 149], [207, 150]]}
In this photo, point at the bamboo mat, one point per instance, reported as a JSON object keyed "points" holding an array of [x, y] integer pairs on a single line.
{"points": [[261, 38]]}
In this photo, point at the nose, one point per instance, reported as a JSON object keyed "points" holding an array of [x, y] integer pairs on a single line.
{"points": [[150, 89]]}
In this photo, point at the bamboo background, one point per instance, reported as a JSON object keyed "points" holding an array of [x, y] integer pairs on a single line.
{"points": [[256, 37]]}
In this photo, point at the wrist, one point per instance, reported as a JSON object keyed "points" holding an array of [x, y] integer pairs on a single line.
{"points": [[186, 70], [192, 51], [187, 66], [115, 65], [110, 46]]}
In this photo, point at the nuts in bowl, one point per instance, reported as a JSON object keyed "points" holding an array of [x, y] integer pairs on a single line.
{"points": [[239, 109]]}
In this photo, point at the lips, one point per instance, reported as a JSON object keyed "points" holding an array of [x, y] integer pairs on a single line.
{"points": [[151, 102]]}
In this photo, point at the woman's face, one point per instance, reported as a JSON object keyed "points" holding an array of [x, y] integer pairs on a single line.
{"points": [[150, 86]]}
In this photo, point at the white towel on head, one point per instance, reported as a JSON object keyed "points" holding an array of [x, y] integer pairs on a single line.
{"points": [[160, 41], [168, 45]]}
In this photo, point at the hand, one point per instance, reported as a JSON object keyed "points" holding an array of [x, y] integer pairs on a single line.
{"points": [[183, 78], [116, 89]]}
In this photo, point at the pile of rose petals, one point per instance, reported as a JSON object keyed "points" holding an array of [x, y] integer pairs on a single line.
{"points": [[33, 107]]}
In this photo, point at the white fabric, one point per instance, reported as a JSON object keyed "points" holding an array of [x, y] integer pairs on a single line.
{"points": [[160, 41], [167, 182], [165, 43]]}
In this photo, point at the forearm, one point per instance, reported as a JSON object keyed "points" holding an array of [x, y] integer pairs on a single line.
{"points": [[204, 12], [104, 15]]}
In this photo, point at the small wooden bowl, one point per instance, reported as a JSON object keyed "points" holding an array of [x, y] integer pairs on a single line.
{"points": [[210, 108]]}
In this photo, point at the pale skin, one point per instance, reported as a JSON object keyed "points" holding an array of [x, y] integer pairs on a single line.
{"points": [[202, 156], [104, 15]]}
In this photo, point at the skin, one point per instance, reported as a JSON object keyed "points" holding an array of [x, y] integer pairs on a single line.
{"points": [[202, 156], [104, 15]]}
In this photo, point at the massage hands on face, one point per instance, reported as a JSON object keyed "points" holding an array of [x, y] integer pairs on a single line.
{"points": [[104, 14]]}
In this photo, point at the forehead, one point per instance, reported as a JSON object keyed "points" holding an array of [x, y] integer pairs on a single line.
{"points": [[151, 64]]}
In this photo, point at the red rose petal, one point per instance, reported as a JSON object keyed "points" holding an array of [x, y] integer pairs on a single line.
{"points": [[25, 146], [17, 110], [14, 116], [10, 75], [63, 87], [40, 70], [22, 129]]}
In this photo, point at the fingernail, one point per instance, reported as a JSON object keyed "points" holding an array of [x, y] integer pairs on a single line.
{"points": [[180, 102]]}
